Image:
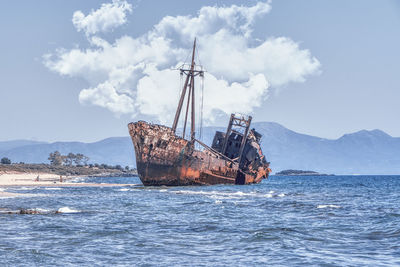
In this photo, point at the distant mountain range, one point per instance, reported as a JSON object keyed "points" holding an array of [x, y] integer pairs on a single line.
{"points": [[363, 152]]}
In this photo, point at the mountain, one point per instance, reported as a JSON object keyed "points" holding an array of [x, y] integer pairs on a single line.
{"points": [[363, 152], [7, 145]]}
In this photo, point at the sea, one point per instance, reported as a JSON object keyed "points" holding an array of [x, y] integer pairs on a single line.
{"points": [[283, 221]]}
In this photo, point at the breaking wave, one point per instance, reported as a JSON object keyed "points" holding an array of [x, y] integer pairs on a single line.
{"points": [[25, 188], [228, 195], [124, 189], [52, 188], [67, 210], [328, 206], [78, 180]]}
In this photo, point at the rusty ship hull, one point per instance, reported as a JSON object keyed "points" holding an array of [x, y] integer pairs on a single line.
{"points": [[164, 158]]}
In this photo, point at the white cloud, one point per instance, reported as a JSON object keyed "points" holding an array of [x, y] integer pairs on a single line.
{"points": [[158, 94], [209, 20], [107, 17], [133, 75], [106, 95], [279, 59], [235, 97]]}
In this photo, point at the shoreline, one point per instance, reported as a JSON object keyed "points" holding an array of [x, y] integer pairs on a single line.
{"points": [[15, 179]]}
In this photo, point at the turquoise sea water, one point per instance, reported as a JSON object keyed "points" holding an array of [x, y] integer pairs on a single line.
{"points": [[284, 221]]}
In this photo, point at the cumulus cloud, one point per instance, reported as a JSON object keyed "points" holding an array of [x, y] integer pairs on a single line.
{"points": [[106, 95], [133, 75], [107, 17], [210, 20], [220, 95]]}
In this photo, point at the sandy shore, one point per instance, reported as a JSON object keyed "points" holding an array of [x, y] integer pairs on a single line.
{"points": [[45, 180], [7, 179]]}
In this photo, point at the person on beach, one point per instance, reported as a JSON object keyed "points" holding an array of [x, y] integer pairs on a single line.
{"points": [[37, 179], [61, 179]]}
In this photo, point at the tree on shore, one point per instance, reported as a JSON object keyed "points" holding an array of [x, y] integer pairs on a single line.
{"points": [[55, 158], [79, 158], [69, 159], [85, 160], [5, 161]]}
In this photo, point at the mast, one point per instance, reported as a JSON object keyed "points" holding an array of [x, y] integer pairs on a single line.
{"points": [[192, 130], [189, 82]]}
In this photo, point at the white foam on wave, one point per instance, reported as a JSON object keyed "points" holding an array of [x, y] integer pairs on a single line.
{"points": [[40, 210], [218, 201], [328, 206], [219, 197], [77, 180], [25, 188], [67, 210], [15, 195], [124, 189], [52, 188], [215, 193], [228, 195]]}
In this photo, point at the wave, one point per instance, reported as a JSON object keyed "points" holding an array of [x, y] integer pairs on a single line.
{"points": [[25, 188], [124, 189], [40, 211], [67, 210], [52, 188], [228, 195], [78, 180], [6, 194], [214, 193], [328, 206]]}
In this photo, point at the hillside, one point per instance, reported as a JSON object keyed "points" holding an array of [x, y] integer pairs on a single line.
{"points": [[363, 152], [7, 145], [112, 151]]}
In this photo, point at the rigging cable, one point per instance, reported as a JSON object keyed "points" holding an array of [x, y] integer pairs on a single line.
{"points": [[201, 106]]}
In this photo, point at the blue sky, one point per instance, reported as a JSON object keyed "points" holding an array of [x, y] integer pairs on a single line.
{"points": [[342, 74]]}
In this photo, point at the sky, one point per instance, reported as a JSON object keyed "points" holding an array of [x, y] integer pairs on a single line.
{"points": [[81, 70]]}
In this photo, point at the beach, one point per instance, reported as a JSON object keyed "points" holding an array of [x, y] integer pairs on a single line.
{"points": [[23, 179]]}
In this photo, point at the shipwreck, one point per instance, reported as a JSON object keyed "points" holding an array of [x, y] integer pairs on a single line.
{"points": [[164, 157]]}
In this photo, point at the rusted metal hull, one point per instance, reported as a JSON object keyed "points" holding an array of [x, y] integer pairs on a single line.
{"points": [[164, 158]]}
